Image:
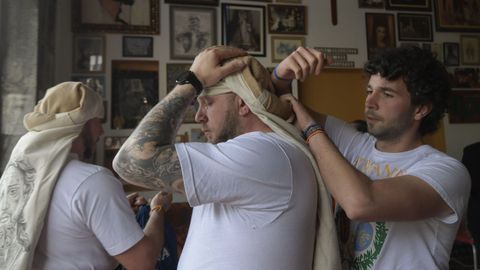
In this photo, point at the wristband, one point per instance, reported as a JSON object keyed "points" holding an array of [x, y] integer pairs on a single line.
{"points": [[158, 208], [318, 131], [308, 132], [276, 75]]}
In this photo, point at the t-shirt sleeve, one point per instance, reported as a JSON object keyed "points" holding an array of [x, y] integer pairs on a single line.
{"points": [[449, 178], [241, 173], [345, 137], [102, 206]]}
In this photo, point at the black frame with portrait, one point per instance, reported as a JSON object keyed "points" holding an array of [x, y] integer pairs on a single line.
{"points": [[415, 5], [419, 27], [374, 20]]}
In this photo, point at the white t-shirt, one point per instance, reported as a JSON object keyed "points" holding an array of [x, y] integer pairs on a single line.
{"points": [[89, 220], [254, 200], [421, 244]]}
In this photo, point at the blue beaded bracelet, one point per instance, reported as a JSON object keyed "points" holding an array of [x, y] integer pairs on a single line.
{"points": [[278, 77], [310, 130]]}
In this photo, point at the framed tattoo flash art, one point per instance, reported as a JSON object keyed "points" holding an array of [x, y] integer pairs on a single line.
{"points": [[470, 50], [88, 53], [192, 29], [243, 26], [285, 19], [112, 16], [136, 46], [450, 16], [414, 27], [282, 46], [416, 5], [134, 92]]}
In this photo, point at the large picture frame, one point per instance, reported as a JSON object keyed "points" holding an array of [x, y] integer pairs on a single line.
{"points": [[282, 46], [193, 2], [134, 91], [140, 17], [88, 53], [137, 46], [380, 32], [413, 5], [192, 29], [243, 26], [450, 16], [287, 19], [470, 50], [414, 27]]}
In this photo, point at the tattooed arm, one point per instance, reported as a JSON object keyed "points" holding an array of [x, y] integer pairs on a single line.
{"points": [[148, 157]]}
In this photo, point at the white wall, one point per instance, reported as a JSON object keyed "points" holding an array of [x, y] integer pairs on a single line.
{"points": [[349, 32]]}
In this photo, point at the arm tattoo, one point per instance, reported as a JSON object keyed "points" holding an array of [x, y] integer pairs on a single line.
{"points": [[148, 157]]}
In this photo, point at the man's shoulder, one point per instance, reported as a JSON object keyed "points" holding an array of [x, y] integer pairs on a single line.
{"points": [[85, 169]]}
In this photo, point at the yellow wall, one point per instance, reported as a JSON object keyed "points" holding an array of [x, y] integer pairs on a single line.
{"points": [[341, 93]]}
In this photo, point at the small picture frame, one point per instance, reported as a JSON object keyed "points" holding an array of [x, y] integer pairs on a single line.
{"points": [[414, 27], [135, 17], [470, 50], [137, 46], [371, 4], [287, 19], [415, 5], [466, 78], [380, 32], [282, 46], [88, 53], [192, 29], [193, 2], [95, 82], [243, 26], [464, 106], [451, 54]]}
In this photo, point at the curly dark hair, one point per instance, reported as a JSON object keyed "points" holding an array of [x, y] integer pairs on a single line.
{"points": [[426, 79]]}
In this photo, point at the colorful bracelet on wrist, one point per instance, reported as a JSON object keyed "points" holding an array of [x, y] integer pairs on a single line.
{"points": [[278, 77], [311, 130], [158, 208]]}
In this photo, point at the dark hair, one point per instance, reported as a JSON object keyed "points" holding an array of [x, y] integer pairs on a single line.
{"points": [[426, 79]]}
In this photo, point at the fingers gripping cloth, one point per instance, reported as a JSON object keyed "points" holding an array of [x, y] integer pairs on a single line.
{"points": [[37, 160], [254, 86]]}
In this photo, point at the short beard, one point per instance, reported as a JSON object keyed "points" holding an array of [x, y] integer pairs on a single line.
{"points": [[391, 132], [229, 130]]}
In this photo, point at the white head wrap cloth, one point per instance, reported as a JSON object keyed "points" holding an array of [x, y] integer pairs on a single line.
{"points": [[254, 86], [37, 160]]}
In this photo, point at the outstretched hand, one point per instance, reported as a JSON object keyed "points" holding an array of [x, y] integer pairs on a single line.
{"points": [[302, 118], [135, 201], [210, 67], [302, 63]]}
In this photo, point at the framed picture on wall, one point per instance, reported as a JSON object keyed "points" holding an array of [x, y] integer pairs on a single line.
{"points": [[192, 29], [243, 26], [193, 2], [371, 4], [450, 16], [416, 5], [451, 54], [414, 27], [286, 19], [466, 78], [140, 17], [88, 53], [470, 50], [282, 46], [464, 106], [134, 91], [380, 32], [137, 46]]}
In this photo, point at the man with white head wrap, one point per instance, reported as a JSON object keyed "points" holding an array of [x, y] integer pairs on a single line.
{"points": [[67, 214], [253, 185]]}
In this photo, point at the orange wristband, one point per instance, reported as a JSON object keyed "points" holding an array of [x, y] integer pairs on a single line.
{"points": [[158, 208], [318, 131]]}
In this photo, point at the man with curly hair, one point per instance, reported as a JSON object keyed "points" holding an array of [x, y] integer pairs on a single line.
{"points": [[402, 200]]}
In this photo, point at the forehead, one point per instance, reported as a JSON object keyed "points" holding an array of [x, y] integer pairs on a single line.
{"points": [[378, 82]]}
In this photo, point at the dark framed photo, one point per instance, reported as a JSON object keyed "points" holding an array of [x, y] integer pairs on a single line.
{"points": [[95, 82], [450, 16], [414, 5], [451, 54], [464, 106], [470, 50], [380, 32], [192, 29], [134, 91], [286, 19], [243, 26], [282, 46], [414, 27], [173, 70], [88, 53], [136, 46], [139, 17], [466, 78], [371, 3], [193, 2]]}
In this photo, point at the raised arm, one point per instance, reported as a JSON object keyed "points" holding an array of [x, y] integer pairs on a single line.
{"points": [[148, 157]]}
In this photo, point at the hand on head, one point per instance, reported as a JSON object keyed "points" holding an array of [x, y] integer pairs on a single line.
{"points": [[210, 67], [302, 63]]}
